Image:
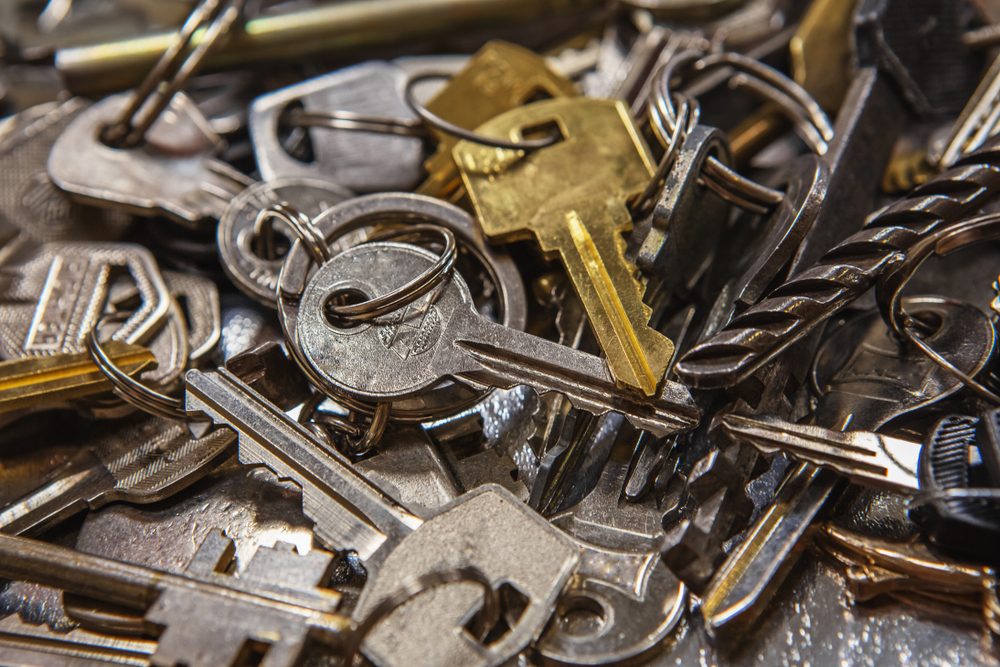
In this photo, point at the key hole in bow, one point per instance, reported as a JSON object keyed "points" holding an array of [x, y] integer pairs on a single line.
{"points": [[545, 130], [347, 296]]}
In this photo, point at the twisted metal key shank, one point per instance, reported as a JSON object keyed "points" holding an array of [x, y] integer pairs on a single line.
{"points": [[846, 271]]}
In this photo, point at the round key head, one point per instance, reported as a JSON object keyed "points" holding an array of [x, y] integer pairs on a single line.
{"points": [[244, 257], [393, 356]]}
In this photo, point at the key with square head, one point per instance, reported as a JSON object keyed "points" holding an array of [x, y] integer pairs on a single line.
{"points": [[360, 161], [146, 461], [487, 529], [173, 173], [204, 616], [441, 336], [571, 197], [497, 78]]}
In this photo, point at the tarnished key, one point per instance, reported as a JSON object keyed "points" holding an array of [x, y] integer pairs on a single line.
{"points": [[487, 529], [361, 161], [143, 462], [202, 617], [572, 198], [442, 336], [50, 381], [174, 172]]}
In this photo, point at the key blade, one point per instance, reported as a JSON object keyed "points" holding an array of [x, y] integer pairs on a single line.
{"points": [[862, 456], [46, 381]]}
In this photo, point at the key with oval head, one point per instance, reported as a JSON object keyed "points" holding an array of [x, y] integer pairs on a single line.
{"points": [[361, 161], [173, 173], [441, 336], [571, 197]]}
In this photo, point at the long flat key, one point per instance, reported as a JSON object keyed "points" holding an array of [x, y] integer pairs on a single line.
{"points": [[395, 545], [50, 381], [442, 336], [572, 198], [144, 462]]}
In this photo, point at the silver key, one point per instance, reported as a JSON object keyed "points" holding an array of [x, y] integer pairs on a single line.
{"points": [[441, 336], [360, 161], [144, 462], [198, 298], [173, 173], [979, 120], [256, 275], [53, 295], [487, 529]]}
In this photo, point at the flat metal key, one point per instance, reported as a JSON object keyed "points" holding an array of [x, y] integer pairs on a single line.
{"points": [[204, 616], [441, 336], [173, 173], [571, 197], [487, 529], [143, 462]]}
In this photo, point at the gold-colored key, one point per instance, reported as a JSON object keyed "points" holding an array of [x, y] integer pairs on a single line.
{"points": [[572, 198], [499, 77], [49, 381]]}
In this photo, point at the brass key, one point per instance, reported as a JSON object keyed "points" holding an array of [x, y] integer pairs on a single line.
{"points": [[572, 197], [499, 77], [47, 381]]}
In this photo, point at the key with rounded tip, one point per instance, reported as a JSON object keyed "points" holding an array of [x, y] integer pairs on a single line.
{"points": [[145, 462], [441, 336], [571, 197], [173, 173]]}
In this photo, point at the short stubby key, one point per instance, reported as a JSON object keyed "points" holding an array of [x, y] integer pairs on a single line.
{"points": [[441, 336], [572, 198]]}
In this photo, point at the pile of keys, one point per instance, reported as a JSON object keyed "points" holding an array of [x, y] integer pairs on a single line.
{"points": [[499, 332]]}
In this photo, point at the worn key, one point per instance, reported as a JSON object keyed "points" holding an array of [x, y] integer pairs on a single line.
{"points": [[442, 336], [486, 529], [572, 198], [143, 462]]}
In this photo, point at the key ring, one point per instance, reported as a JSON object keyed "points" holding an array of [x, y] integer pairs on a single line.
{"points": [[356, 122], [358, 442], [154, 93], [433, 120], [300, 223], [688, 112], [412, 588], [889, 289], [126, 387]]}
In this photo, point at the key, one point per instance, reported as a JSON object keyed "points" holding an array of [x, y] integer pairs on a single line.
{"points": [[978, 121], [22, 643], [359, 161], [499, 77], [145, 462], [866, 379], [53, 380], [174, 173], [202, 617], [53, 296], [245, 259], [198, 298], [393, 543], [604, 161], [442, 336]]}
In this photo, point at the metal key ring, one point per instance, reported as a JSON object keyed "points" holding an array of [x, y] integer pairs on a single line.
{"points": [[409, 590], [438, 123], [128, 388], [151, 97], [673, 141], [889, 289], [300, 223], [356, 122], [358, 442]]}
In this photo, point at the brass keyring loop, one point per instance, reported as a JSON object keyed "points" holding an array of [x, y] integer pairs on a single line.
{"points": [[438, 123], [411, 589], [889, 289], [300, 224], [154, 94], [128, 388], [433, 276]]}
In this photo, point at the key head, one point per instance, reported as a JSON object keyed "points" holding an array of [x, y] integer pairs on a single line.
{"points": [[393, 356], [360, 161], [600, 161]]}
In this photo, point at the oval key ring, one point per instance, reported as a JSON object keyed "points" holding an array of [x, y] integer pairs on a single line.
{"points": [[358, 443], [300, 223], [888, 290], [438, 123]]}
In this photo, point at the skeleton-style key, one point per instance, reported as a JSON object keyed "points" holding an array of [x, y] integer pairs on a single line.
{"points": [[441, 336], [572, 198], [173, 173], [144, 462], [487, 529]]}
